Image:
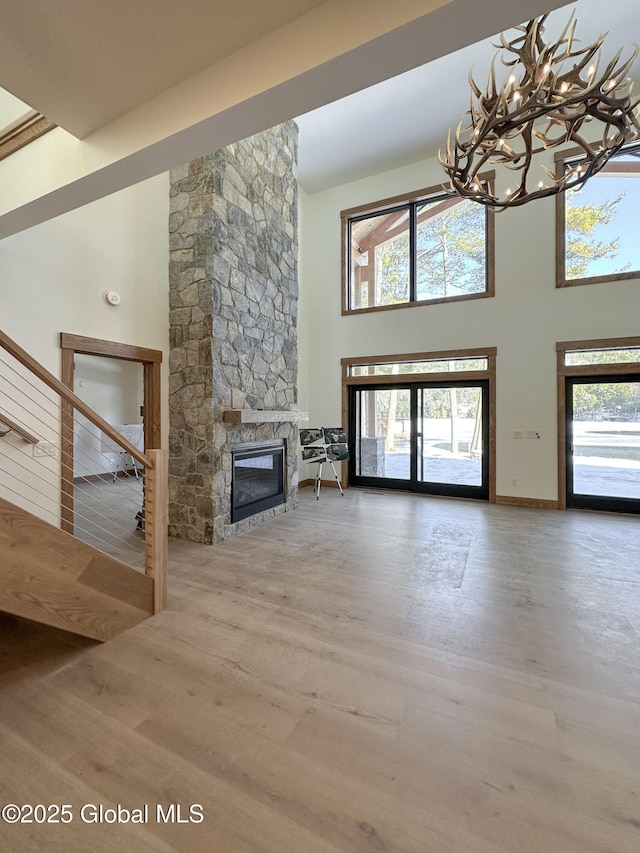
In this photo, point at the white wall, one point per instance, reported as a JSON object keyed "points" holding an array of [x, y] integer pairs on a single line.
{"points": [[53, 278], [114, 388], [524, 321], [303, 310]]}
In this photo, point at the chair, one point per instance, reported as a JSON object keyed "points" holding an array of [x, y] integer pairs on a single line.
{"points": [[324, 444], [134, 433]]}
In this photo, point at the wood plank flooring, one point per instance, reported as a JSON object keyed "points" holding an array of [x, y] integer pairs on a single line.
{"points": [[371, 673]]}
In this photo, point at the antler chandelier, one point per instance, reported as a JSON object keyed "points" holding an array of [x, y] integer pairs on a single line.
{"points": [[552, 97]]}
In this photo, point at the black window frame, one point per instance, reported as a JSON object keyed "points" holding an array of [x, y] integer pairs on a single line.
{"points": [[411, 203]]}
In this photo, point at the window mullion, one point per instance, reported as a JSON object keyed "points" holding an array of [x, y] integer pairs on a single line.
{"points": [[393, 233], [413, 221]]}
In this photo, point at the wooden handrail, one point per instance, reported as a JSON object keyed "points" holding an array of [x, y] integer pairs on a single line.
{"points": [[14, 426], [49, 379]]}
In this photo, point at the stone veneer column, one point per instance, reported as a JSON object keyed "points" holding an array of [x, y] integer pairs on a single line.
{"points": [[233, 314]]}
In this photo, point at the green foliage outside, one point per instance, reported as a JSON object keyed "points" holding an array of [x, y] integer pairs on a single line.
{"points": [[604, 400], [437, 404], [451, 253], [450, 257], [582, 247], [392, 271]]}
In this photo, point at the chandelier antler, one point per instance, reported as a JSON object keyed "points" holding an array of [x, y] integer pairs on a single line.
{"points": [[541, 105]]}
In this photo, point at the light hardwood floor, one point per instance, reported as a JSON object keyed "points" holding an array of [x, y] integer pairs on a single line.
{"points": [[369, 673]]}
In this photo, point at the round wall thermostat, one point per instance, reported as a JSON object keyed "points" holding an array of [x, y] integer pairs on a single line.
{"points": [[112, 297]]}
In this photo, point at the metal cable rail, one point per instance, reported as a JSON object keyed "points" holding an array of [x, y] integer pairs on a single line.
{"points": [[71, 473]]}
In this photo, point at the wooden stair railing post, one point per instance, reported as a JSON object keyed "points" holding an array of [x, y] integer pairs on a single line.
{"points": [[67, 448], [156, 523]]}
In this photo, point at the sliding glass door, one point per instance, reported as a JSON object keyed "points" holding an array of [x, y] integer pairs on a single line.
{"points": [[428, 437], [603, 443], [381, 419]]}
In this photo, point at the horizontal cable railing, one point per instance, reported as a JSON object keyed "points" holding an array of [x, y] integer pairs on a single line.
{"points": [[63, 462]]}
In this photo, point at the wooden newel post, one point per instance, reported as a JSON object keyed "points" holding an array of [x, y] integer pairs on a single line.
{"points": [[156, 523]]}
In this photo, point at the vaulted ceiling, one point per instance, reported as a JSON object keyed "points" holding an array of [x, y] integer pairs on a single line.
{"points": [[150, 84], [406, 118]]}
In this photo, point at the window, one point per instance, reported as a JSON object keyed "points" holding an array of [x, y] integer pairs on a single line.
{"points": [[19, 124], [622, 355], [438, 365], [597, 238], [429, 248]]}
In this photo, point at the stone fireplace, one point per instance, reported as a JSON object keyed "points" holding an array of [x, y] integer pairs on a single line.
{"points": [[233, 327]]}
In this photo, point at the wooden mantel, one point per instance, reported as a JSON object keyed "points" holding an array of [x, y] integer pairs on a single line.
{"points": [[262, 416]]}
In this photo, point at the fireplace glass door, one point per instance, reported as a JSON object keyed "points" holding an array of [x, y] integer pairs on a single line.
{"points": [[257, 478]]}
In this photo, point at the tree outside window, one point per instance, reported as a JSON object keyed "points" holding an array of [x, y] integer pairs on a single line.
{"points": [[430, 249]]}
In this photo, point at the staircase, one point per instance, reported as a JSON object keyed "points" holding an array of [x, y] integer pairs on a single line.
{"points": [[48, 572], [50, 576]]}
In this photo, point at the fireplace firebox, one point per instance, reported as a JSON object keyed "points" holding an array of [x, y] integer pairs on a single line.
{"points": [[257, 477]]}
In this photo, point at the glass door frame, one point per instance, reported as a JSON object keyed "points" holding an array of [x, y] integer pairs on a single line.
{"points": [[369, 361], [588, 372], [603, 503], [413, 484]]}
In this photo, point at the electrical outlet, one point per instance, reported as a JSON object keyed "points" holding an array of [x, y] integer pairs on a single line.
{"points": [[514, 481], [518, 433], [533, 433], [44, 448]]}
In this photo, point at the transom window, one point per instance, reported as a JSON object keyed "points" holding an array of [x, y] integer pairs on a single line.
{"points": [[429, 248], [597, 222], [401, 368], [602, 356]]}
